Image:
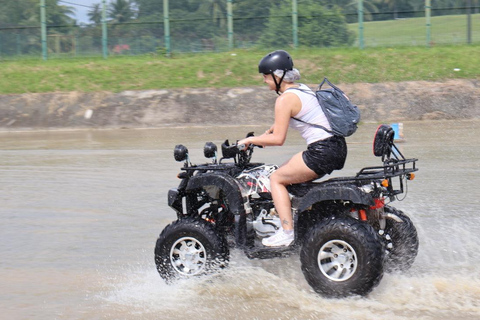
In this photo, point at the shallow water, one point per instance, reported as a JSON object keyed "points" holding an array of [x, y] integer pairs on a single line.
{"points": [[80, 213]]}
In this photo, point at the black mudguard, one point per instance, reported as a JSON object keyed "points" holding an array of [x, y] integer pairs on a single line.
{"points": [[175, 200], [233, 196], [321, 192]]}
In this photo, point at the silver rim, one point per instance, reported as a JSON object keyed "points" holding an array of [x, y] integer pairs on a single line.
{"points": [[337, 260], [188, 256]]}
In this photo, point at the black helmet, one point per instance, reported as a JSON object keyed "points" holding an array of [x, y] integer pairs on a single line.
{"points": [[276, 60]]}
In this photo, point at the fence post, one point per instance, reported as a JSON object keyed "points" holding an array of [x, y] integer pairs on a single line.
{"points": [[166, 23], [295, 23], [428, 10], [104, 31], [469, 21], [43, 25], [230, 24], [19, 50], [360, 24]]}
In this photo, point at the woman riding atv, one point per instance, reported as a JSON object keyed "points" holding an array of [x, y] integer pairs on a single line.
{"points": [[325, 152]]}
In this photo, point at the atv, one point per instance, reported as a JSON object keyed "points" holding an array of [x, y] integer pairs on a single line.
{"points": [[346, 232]]}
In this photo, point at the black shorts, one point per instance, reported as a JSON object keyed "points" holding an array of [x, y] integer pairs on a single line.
{"points": [[326, 155]]}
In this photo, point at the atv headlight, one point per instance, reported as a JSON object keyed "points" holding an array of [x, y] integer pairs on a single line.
{"points": [[180, 152], [210, 150]]}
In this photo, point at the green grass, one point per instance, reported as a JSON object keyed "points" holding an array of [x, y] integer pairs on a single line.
{"points": [[413, 31], [237, 69]]}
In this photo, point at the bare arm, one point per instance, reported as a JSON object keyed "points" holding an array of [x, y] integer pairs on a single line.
{"points": [[286, 106]]}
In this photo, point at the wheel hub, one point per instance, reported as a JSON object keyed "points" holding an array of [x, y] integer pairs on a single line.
{"points": [[188, 256], [337, 260]]}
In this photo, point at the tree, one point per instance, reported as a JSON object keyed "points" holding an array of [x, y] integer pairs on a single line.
{"points": [[121, 11], [59, 14], [95, 14], [154, 8], [251, 18], [317, 26], [16, 12], [27, 12], [216, 9]]}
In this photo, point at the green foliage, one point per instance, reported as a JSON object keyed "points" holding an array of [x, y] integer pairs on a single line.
{"points": [[317, 26], [120, 11], [95, 14], [201, 25], [27, 13], [251, 18]]}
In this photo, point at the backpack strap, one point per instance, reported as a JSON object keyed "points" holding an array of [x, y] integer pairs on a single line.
{"points": [[313, 94], [314, 125], [330, 84], [303, 90]]}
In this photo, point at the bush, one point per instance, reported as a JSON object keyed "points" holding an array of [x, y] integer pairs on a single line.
{"points": [[317, 26]]}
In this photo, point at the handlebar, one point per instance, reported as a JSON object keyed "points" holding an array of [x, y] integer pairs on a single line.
{"points": [[240, 152]]}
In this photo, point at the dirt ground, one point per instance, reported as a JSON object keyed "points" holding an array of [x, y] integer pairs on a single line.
{"points": [[402, 101]]}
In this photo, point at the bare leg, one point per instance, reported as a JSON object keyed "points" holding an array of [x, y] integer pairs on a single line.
{"points": [[293, 171]]}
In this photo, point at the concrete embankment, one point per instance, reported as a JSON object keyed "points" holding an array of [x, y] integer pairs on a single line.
{"points": [[379, 102]]}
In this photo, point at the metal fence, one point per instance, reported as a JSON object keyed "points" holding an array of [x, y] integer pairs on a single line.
{"points": [[243, 28]]}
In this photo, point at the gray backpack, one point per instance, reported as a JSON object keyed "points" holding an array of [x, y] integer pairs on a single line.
{"points": [[342, 115]]}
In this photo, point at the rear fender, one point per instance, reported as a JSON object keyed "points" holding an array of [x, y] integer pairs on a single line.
{"points": [[343, 192]]}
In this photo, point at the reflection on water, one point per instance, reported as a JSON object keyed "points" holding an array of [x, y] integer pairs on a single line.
{"points": [[81, 210]]}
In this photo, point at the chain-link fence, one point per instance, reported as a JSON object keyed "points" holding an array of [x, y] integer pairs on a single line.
{"points": [[304, 24]]}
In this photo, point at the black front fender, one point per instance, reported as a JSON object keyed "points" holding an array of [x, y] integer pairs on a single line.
{"points": [[233, 196], [175, 200], [225, 183]]}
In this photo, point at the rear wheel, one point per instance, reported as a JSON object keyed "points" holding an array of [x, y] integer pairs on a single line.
{"points": [[402, 242], [189, 247], [342, 257]]}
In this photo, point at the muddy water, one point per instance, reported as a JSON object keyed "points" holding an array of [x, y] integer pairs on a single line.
{"points": [[80, 213]]}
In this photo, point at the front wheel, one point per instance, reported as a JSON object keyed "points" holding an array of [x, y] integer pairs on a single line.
{"points": [[189, 247], [342, 257], [402, 242]]}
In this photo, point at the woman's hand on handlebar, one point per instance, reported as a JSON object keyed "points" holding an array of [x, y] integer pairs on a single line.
{"points": [[246, 144], [243, 144]]}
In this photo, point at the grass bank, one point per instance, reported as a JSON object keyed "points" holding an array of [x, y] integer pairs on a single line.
{"points": [[238, 68], [451, 29]]}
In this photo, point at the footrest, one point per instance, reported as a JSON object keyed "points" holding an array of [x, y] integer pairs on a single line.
{"points": [[263, 252]]}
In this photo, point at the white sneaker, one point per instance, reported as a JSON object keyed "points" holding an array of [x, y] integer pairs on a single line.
{"points": [[278, 239]]}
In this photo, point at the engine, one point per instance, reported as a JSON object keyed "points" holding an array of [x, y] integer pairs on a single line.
{"points": [[255, 185]]}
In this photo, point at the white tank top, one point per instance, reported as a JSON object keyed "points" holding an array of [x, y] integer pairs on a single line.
{"points": [[311, 112]]}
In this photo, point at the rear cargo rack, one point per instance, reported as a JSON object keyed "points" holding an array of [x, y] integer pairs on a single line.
{"points": [[394, 165], [391, 168]]}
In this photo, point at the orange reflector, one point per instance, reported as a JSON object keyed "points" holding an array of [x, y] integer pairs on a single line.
{"points": [[363, 215], [379, 203], [385, 183], [410, 176]]}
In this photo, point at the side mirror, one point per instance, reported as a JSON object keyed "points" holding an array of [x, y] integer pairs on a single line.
{"points": [[180, 152], [210, 150]]}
